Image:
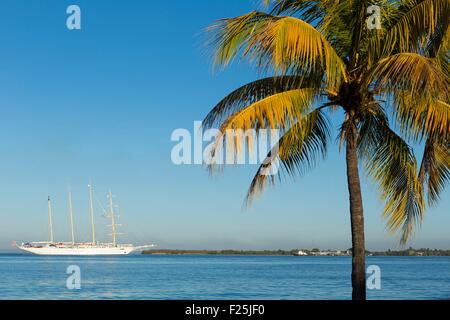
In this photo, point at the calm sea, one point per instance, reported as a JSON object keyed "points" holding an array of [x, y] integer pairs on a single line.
{"points": [[218, 277]]}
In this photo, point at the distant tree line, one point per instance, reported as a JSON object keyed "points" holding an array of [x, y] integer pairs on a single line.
{"points": [[407, 252], [412, 252], [224, 252]]}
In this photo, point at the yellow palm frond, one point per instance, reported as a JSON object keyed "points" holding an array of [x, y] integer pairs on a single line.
{"points": [[279, 111], [284, 44], [253, 92]]}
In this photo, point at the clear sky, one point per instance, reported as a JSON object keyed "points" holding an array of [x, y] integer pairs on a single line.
{"points": [[101, 103]]}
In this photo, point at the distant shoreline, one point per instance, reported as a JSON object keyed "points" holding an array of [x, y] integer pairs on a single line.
{"points": [[218, 252], [300, 252], [295, 252]]}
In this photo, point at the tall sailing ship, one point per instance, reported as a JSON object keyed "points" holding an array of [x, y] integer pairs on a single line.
{"points": [[82, 248]]}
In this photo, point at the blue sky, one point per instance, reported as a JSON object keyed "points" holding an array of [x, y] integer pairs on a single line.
{"points": [[100, 104]]}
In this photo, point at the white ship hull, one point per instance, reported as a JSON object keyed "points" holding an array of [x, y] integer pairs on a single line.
{"points": [[53, 251], [82, 251]]}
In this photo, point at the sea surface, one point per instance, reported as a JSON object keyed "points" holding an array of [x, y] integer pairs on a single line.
{"points": [[217, 277]]}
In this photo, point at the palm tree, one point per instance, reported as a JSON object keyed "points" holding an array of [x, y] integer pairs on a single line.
{"points": [[391, 85]]}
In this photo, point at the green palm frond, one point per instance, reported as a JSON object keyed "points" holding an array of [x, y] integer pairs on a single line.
{"points": [[310, 11], [391, 163], [297, 151], [412, 72], [336, 20], [435, 168], [413, 24], [419, 117], [439, 42], [443, 60]]}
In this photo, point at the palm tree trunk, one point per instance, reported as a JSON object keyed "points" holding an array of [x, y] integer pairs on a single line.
{"points": [[357, 223]]}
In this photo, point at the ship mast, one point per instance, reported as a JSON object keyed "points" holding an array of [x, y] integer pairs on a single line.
{"points": [[50, 219], [91, 210], [113, 219], [71, 216]]}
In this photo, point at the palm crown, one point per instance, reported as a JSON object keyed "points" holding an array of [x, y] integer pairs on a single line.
{"points": [[323, 56]]}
